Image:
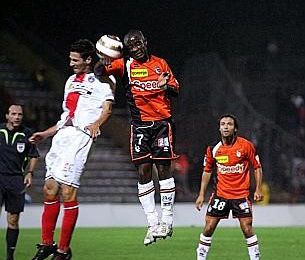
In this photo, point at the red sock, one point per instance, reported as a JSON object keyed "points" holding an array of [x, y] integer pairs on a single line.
{"points": [[68, 224], [48, 220]]}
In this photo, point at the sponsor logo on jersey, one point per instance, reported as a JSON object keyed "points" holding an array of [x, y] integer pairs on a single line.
{"points": [[145, 85], [20, 147], [91, 79], [157, 70], [237, 168], [139, 73], [222, 159]]}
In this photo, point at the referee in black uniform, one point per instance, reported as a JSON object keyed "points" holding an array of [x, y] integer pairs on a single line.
{"points": [[16, 152]]}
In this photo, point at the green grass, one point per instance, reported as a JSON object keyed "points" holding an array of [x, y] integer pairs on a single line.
{"points": [[126, 243]]}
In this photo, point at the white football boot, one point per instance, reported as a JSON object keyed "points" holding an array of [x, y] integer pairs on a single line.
{"points": [[164, 230], [150, 235]]}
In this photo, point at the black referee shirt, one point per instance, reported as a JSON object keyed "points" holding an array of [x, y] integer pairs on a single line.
{"points": [[15, 150]]}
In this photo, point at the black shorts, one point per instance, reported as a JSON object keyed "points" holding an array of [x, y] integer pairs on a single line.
{"points": [[12, 193], [152, 141], [220, 208]]}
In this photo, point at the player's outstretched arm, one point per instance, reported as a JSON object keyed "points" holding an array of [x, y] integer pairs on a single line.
{"points": [[205, 179], [40, 136]]}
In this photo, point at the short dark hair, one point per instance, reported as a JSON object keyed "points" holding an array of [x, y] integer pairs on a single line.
{"points": [[13, 104], [231, 116], [84, 47]]}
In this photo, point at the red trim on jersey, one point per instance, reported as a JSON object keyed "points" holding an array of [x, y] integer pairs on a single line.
{"points": [[79, 77], [71, 103]]}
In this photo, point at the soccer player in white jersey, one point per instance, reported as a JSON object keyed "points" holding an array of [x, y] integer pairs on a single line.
{"points": [[87, 106]]}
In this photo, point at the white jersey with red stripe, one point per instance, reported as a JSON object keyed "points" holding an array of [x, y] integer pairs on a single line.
{"points": [[83, 99]]}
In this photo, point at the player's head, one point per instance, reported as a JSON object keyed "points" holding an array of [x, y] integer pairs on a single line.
{"points": [[82, 53], [14, 116], [136, 44], [228, 125]]}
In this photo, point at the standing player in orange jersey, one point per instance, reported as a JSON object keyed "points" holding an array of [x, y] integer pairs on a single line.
{"points": [[150, 84], [232, 156]]}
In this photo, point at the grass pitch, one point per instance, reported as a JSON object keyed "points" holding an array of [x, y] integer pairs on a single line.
{"points": [[127, 244]]}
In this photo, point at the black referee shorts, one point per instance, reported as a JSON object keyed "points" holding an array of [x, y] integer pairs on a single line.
{"points": [[12, 193]]}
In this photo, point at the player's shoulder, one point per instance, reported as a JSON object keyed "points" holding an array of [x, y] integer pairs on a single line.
{"points": [[213, 146], [26, 130], [2, 125], [244, 142], [157, 59]]}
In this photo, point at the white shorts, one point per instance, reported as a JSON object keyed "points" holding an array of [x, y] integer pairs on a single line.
{"points": [[67, 156]]}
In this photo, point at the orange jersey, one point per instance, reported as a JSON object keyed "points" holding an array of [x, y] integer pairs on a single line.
{"points": [[147, 101], [233, 167]]}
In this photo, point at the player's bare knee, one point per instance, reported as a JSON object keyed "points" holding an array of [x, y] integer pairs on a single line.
{"points": [[68, 193], [13, 221], [164, 169], [50, 189], [208, 230], [144, 172]]}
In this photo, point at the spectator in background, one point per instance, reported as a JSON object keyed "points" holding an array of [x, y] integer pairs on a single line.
{"points": [[16, 153], [181, 170], [40, 79], [232, 157], [298, 180]]}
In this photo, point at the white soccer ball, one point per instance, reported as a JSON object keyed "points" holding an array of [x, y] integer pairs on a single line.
{"points": [[109, 46]]}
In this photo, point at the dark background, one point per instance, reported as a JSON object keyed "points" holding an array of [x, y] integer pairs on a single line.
{"points": [[174, 29], [259, 46]]}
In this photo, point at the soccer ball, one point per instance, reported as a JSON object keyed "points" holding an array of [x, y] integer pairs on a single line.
{"points": [[109, 46]]}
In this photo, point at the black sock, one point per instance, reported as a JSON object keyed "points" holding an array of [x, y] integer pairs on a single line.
{"points": [[11, 241]]}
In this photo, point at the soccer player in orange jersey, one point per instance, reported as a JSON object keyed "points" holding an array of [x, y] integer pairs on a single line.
{"points": [[149, 84], [232, 156]]}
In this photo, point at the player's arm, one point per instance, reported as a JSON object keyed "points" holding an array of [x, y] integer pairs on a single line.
{"points": [[167, 80], [258, 175], [116, 68], [40, 136], [95, 127], [30, 171], [258, 172], [205, 179]]}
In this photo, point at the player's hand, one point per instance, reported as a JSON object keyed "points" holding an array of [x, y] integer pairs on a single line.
{"points": [[258, 195], [199, 202], [37, 137], [163, 79], [105, 60], [94, 130], [28, 180]]}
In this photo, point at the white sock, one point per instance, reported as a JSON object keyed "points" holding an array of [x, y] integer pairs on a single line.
{"points": [[203, 247], [146, 194], [167, 194], [253, 248]]}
